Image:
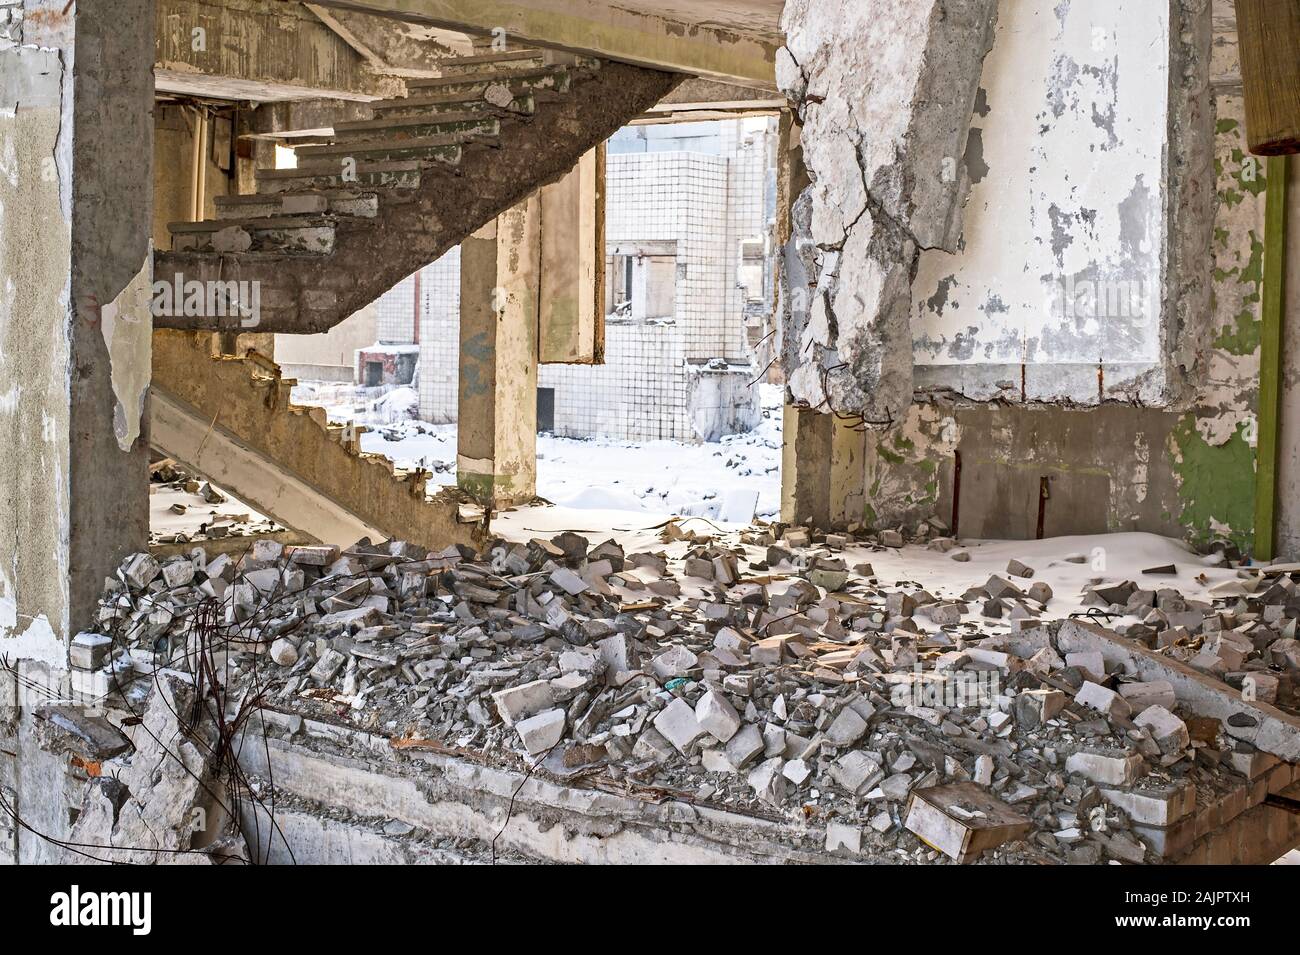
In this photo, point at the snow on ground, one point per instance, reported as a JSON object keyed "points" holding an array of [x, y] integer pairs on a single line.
{"points": [[613, 488], [716, 479]]}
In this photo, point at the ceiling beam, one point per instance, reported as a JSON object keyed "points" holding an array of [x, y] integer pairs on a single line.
{"points": [[596, 28]]}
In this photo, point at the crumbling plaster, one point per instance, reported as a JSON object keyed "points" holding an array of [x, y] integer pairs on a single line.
{"points": [[1055, 292], [885, 94]]}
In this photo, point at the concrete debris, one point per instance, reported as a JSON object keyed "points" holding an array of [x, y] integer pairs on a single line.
{"points": [[213, 522], [163, 802], [760, 671]]}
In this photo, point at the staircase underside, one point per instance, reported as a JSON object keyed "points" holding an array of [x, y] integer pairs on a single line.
{"points": [[312, 291]]}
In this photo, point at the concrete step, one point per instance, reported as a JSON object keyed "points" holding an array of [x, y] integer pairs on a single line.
{"points": [[540, 77], [444, 148], [289, 234], [480, 124], [497, 62], [328, 174], [339, 202], [524, 104]]}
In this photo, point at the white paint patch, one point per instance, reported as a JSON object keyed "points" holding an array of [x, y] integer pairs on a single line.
{"points": [[37, 642], [127, 324]]}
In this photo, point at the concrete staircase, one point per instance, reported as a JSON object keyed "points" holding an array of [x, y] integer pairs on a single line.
{"points": [[232, 420], [391, 193]]}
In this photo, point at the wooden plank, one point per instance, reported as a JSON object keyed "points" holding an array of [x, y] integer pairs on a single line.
{"points": [[1268, 33]]}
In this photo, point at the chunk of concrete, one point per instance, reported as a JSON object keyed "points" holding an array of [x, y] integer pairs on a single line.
{"points": [[717, 716], [1097, 697], [539, 733], [1168, 731], [678, 724], [1107, 768], [517, 703], [1148, 693], [744, 747]]}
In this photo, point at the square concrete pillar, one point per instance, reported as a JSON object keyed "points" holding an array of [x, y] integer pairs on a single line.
{"points": [[76, 95], [822, 469], [496, 459]]}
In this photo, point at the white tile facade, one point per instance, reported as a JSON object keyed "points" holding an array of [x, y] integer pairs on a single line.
{"points": [[706, 196]]}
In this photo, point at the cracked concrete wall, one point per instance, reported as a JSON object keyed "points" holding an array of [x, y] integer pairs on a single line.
{"points": [[1181, 471], [74, 321], [885, 94]]}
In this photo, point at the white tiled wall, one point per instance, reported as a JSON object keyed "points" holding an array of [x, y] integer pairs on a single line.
{"points": [[395, 314], [440, 338], [639, 394]]}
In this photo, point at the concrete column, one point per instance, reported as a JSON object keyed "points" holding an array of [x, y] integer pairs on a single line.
{"points": [[76, 97], [496, 457], [821, 469]]}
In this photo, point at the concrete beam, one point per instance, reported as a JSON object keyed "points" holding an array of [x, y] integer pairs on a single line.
{"points": [[1265, 727], [393, 46], [596, 28], [698, 99], [258, 50], [496, 449], [571, 304], [75, 104], [219, 456]]}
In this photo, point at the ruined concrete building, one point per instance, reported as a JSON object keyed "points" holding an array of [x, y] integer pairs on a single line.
{"points": [[1027, 277]]}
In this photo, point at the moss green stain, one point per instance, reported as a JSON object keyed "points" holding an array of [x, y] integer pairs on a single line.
{"points": [[1225, 125], [1254, 270], [888, 455], [1217, 484], [1241, 338]]}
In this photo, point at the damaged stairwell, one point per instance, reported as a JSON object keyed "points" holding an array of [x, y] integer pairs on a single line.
{"points": [[232, 420], [388, 195]]}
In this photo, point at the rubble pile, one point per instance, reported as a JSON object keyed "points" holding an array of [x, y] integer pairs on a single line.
{"points": [[770, 672]]}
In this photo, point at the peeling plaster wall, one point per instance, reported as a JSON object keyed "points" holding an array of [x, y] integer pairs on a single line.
{"points": [[1118, 466], [35, 245], [75, 267], [1055, 291]]}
